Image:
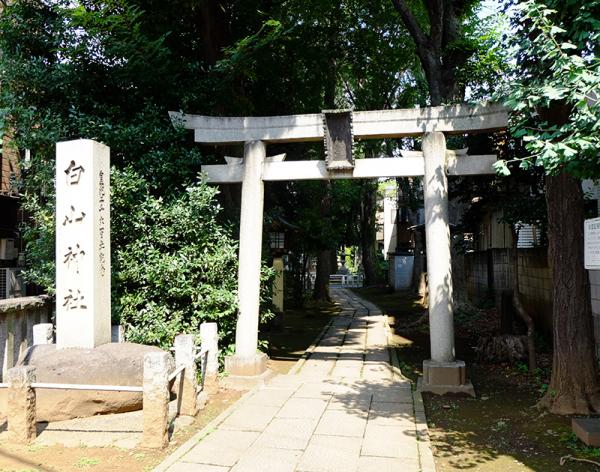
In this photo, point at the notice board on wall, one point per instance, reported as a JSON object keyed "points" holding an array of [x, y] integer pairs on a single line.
{"points": [[591, 236]]}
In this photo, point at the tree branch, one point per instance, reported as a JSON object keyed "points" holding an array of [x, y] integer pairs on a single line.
{"points": [[436, 13], [409, 20]]}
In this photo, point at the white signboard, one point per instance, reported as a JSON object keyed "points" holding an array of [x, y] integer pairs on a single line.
{"points": [[82, 244], [592, 244]]}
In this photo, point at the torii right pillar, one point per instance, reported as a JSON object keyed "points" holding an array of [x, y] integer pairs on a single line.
{"points": [[442, 373]]}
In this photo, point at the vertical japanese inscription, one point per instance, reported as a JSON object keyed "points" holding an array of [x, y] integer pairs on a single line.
{"points": [[74, 255], [101, 224]]}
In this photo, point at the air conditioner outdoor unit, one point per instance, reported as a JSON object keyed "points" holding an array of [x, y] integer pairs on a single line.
{"points": [[11, 283], [8, 250]]}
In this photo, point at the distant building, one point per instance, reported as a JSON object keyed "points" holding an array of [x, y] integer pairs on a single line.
{"points": [[11, 284]]}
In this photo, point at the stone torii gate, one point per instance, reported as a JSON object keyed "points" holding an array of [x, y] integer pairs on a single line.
{"points": [[442, 373]]}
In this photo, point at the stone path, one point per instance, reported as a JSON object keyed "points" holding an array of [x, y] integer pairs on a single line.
{"points": [[345, 407]]}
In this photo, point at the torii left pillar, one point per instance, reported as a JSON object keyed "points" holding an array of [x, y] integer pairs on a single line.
{"points": [[248, 362]]}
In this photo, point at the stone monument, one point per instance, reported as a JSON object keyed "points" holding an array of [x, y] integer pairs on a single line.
{"points": [[82, 244]]}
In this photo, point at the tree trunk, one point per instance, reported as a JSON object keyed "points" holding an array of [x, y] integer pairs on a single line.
{"points": [[368, 235], [324, 267], [214, 31], [437, 47], [574, 387], [321, 290], [518, 304]]}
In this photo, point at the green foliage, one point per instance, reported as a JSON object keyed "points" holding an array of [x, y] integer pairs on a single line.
{"points": [[466, 313], [554, 96], [174, 265], [482, 74], [571, 440], [105, 71]]}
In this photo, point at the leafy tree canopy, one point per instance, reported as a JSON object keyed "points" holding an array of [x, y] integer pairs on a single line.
{"points": [[555, 91]]}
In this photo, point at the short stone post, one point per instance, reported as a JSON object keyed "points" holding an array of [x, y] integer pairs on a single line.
{"points": [[157, 366], [187, 392], [21, 404], [209, 335], [43, 333]]}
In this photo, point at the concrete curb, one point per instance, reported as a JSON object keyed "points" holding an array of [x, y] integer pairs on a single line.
{"points": [[423, 441], [209, 428]]}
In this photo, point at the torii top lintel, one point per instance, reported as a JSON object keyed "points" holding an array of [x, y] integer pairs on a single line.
{"points": [[453, 119]]}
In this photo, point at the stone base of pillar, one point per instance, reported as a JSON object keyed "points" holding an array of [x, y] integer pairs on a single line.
{"points": [[246, 372], [247, 382], [445, 377], [246, 366]]}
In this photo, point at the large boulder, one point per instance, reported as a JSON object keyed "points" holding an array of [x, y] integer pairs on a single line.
{"points": [[109, 364]]}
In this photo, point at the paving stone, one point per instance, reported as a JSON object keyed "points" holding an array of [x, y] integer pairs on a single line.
{"points": [[329, 349], [390, 441], [318, 364], [330, 454], [355, 339], [351, 357], [329, 354], [335, 331], [315, 371], [376, 339], [347, 372], [285, 381], [355, 401], [270, 396], [346, 363], [287, 433], [222, 447], [377, 355], [358, 345], [359, 351], [250, 418], [342, 321], [322, 390], [346, 422], [391, 414], [342, 412], [189, 467], [310, 408], [386, 464], [392, 391], [267, 459], [377, 371]]}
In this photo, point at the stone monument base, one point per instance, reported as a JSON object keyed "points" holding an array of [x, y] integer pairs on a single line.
{"points": [[445, 377], [246, 372], [107, 364]]}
